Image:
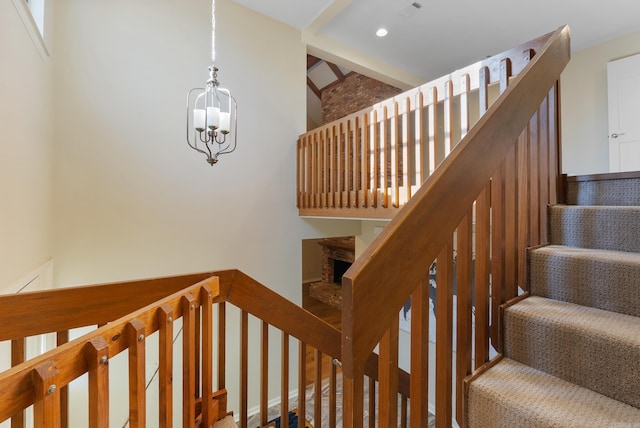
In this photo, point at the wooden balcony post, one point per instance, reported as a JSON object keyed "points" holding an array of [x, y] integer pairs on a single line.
{"points": [[46, 405], [165, 370], [97, 354], [188, 360], [137, 373]]}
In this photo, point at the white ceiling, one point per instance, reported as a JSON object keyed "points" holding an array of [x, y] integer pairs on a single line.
{"points": [[444, 35]]}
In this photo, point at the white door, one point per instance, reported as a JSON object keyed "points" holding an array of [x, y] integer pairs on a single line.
{"points": [[624, 114]]}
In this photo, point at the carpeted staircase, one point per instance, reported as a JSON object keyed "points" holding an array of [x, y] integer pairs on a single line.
{"points": [[572, 348]]}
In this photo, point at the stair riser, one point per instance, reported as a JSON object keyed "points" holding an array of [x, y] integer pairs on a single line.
{"points": [[592, 359], [604, 192], [585, 279], [606, 228]]}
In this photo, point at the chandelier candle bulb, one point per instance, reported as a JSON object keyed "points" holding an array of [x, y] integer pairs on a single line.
{"points": [[199, 119], [213, 117], [225, 122]]}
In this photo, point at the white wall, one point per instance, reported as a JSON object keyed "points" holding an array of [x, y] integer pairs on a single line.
{"points": [[131, 199], [585, 146], [26, 143]]}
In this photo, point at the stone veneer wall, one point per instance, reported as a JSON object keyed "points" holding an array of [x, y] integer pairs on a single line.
{"points": [[355, 93]]}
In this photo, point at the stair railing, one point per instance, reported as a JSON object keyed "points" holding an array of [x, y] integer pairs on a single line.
{"points": [[201, 307], [476, 213], [370, 163]]}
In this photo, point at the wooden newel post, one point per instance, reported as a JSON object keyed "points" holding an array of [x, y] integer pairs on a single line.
{"points": [[46, 405]]}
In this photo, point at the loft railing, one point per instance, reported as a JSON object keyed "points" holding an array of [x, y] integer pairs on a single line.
{"points": [[211, 311], [369, 164], [477, 213]]}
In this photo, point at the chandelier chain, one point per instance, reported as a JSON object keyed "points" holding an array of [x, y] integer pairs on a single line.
{"points": [[213, 31]]}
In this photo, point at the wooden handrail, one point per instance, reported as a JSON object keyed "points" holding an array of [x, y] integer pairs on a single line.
{"points": [[90, 305]]}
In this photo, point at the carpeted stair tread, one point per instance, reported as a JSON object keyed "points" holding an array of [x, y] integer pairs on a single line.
{"points": [[601, 279], [596, 349], [599, 227], [226, 422], [511, 394]]}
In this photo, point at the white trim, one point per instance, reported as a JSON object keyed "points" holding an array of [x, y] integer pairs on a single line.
{"points": [[43, 274], [32, 28]]}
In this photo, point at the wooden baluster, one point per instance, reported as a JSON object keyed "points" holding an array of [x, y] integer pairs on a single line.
{"points": [[303, 172], [319, 169], [46, 401], [395, 158], [464, 291], [497, 252], [483, 90], [264, 373], [18, 355], [333, 392], [419, 381], [352, 399], [314, 170], [222, 345], [403, 411], [324, 166], [524, 203], [244, 368], [165, 369], [366, 167], [298, 172], [372, 402], [328, 168], [465, 84], [388, 376], [510, 225], [206, 300], [309, 166], [375, 154], [432, 105], [555, 160], [317, 381], [355, 170], [406, 153], [62, 337], [333, 175], [543, 136], [302, 384], [137, 374], [188, 360], [534, 179], [97, 355], [284, 386], [483, 263], [419, 148], [196, 354], [444, 328], [384, 159], [340, 167], [448, 118]]}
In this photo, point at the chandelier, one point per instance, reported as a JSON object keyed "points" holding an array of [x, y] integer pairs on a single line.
{"points": [[212, 111]]}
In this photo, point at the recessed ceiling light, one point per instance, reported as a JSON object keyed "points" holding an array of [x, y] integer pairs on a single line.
{"points": [[382, 32]]}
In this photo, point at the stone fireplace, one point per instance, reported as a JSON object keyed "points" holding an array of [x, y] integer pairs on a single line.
{"points": [[337, 256]]}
